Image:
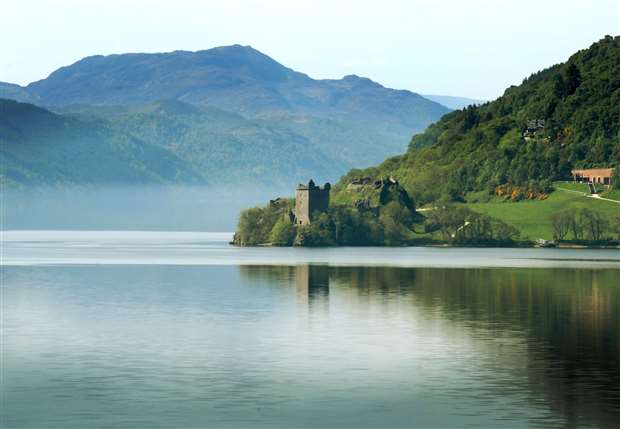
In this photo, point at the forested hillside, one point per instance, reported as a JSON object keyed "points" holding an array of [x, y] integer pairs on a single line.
{"points": [[38, 147], [164, 142], [564, 117], [228, 147], [232, 114], [171, 142]]}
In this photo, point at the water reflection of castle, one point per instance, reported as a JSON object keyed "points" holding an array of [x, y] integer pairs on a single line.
{"points": [[312, 283]]}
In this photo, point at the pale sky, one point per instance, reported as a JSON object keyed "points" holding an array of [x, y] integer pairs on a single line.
{"points": [[472, 48]]}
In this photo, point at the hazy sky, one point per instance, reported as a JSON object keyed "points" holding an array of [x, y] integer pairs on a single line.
{"points": [[472, 48]]}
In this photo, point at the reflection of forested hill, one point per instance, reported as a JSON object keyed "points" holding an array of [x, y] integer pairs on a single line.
{"points": [[568, 321]]}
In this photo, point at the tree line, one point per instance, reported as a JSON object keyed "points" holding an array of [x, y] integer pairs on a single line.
{"points": [[391, 224], [584, 225]]}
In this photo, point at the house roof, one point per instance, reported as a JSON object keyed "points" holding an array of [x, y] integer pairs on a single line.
{"points": [[605, 172]]}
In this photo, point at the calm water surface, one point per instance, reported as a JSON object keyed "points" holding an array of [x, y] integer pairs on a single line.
{"points": [[180, 330]]}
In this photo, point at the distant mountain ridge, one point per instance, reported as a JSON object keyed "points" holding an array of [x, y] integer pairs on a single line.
{"points": [[230, 113], [41, 147], [235, 78], [158, 143]]}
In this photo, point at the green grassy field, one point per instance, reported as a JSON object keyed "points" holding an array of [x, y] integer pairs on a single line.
{"points": [[579, 187], [533, 218], [612, 195]]}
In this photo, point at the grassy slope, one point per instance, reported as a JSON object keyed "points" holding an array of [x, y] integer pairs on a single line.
{"points": [[612, 195], [533, 218], [579, 187]]}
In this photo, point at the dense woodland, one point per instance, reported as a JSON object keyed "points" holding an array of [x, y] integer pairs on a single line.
{"points": [[482, 147]]}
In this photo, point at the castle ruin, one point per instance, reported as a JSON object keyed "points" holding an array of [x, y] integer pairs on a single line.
{"points": [[309, 200]]}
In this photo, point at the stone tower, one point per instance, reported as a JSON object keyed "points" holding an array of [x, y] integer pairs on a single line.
{"points": [[310, 199]]}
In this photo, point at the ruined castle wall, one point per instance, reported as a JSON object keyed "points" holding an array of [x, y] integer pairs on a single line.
{"points": [[308, 201], [319, 200], [302, 206]]}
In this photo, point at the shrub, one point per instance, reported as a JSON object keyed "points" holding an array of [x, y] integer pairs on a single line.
{"points": [[561, 223], [321, 232], [464, 226], [255, 224], [283, 233]]}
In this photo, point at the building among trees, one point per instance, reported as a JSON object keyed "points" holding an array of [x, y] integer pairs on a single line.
{"points": [[594, 175], [309, 200]]}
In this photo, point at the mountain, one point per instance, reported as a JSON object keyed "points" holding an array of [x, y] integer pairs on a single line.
{"points": [[228, 147], [234, 78], [453, 103], [160, 143], [564, 117], [232, 113], [16, 92], [41, 147]]}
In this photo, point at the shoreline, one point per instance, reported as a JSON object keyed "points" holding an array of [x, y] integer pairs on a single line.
{"points": [[523, 245]]}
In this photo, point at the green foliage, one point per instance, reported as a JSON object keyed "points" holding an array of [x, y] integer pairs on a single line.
{"points": [[283, 233], [208, 145], [585, 225], [396, 220], [562, 223], [391, 225], [352, 228], [460, 225], [395, 194], [615, 225], [259, 225], [563, 216], [481, 147], [572, 186], [595, 225], [321, 232], [612, 194], [38, 147], [489, 148], [344, 225], [534, 218]]}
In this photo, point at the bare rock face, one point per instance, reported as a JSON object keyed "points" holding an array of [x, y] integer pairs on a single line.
{"points": [[392, 191], [359, 184], [374, 194], [361, 181], [362, 204]]}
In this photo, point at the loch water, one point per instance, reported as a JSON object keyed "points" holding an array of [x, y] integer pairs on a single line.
{"points": [[136, 330]]}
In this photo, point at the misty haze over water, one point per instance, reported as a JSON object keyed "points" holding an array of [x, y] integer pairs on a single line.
{"points": [[135, 207]]}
